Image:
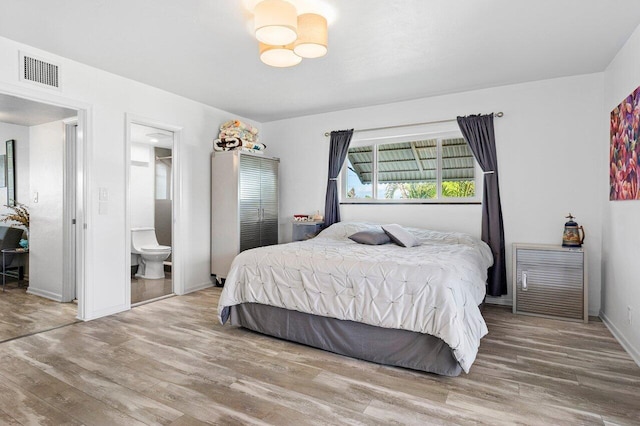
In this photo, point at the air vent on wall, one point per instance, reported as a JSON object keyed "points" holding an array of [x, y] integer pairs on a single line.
{"points": [[38, 71]]}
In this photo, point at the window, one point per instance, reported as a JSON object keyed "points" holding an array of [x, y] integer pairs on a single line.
{"points": [[163, 165], [423, 169]]}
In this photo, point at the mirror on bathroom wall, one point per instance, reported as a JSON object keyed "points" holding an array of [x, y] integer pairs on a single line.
{"points": [[3, 168], [10, 173]]}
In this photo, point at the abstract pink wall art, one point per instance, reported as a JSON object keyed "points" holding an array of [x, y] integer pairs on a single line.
{"points": [[624, 172]]}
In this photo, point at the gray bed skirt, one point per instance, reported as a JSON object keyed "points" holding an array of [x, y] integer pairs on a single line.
{"points": [[386, 346]]}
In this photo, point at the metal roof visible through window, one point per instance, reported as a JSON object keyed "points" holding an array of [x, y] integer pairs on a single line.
{"points": [[414, 161]]}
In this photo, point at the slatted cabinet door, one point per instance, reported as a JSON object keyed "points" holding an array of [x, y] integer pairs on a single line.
{"points": [[268, 202], [258, 202], [550, 281], [250, 200]]}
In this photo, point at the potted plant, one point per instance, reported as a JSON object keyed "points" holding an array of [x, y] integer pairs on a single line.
{"points": [[19, 214]]}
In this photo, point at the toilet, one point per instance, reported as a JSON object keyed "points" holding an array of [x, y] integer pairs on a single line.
{"points": [[145, 245]]}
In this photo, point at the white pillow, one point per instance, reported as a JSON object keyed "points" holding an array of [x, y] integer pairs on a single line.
{"points": [[400, 236]]}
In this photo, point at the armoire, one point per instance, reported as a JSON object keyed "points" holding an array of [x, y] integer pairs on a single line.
{"points": [[244, 206]]}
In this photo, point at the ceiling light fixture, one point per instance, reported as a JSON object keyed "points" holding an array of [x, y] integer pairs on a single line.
{"points": [[284, 37], [312, 36], [276, 22], [278, 56]]}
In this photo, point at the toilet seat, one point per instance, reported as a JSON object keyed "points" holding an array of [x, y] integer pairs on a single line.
{"points": [[155, 249]]}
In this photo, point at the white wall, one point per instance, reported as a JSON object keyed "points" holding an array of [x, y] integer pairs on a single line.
{"points": [[142, 186], [45, 234], [21, 149], [110, 97], [549, 149], [621, 227], [549, 154]]}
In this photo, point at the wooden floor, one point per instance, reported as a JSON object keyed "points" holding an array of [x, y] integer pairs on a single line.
{"points": [[22, 314], [143, 289], [170, 362]]}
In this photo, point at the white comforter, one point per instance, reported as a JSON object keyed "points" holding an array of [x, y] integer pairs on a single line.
{"points": [[434, 288]]}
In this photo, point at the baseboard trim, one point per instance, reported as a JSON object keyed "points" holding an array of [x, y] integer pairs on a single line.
{"points": [[105, 312], [633, 352], [44, 293]]}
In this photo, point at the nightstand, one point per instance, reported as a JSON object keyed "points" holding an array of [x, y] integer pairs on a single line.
{"points": [[550, 281], [305, 229]]}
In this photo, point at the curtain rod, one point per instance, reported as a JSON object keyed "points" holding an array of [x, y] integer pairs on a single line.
{"points": [[497, 114]]}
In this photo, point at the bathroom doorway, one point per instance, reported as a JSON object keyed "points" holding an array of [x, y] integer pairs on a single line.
{"points": [[152, 195]]}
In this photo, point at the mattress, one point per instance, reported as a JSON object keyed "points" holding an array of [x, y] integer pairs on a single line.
{"points": [[434, 288]]}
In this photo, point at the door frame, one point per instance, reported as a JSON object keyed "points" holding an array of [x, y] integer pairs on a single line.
{"points": [[69, 223], [177, 271], [81, 244]]}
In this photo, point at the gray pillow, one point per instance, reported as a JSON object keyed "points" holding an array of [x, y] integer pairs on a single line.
{"points": [[372, 238], [400, 236]]}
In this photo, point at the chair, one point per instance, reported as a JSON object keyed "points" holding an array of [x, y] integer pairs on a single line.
{"points": [[10, 238]]}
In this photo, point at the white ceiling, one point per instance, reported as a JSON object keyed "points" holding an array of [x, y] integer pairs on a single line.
{"points": [[379, 51], [24, 112], [151, 136]]}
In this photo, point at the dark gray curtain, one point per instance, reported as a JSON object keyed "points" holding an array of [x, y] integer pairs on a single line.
{"points": [[339, 146], [478, 132]]}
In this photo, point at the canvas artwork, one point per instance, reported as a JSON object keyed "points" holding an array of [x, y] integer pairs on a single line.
{"points": [[624, 172]]}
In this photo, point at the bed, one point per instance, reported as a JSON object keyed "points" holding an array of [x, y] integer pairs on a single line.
{"points": [[414, 307]]}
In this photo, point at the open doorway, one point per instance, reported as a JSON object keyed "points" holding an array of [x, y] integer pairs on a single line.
{"points": [[43, 182], [151, 208]]}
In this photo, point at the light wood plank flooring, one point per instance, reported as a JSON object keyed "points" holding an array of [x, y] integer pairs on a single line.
{"points": [[22, 314], [170, 362], [143, 289]]}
